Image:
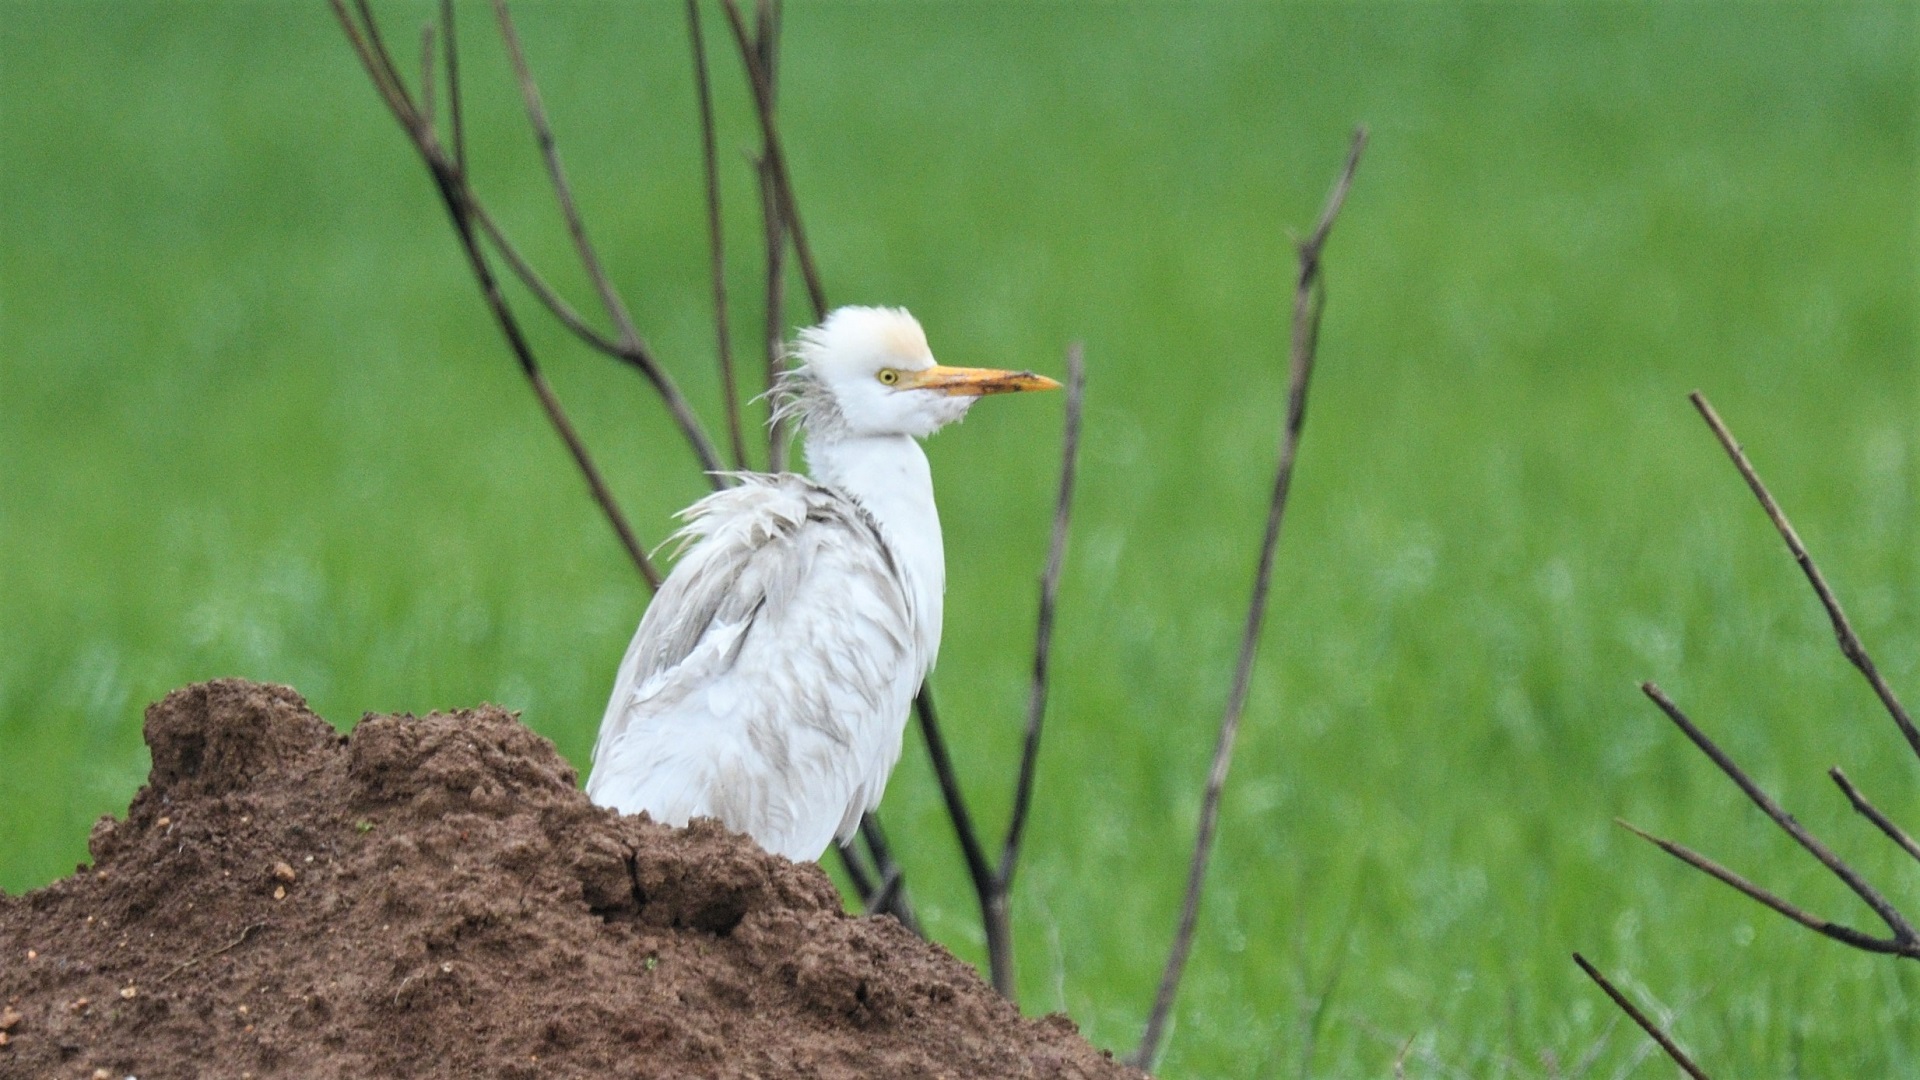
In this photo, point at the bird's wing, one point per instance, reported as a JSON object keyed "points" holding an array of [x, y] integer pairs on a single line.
{"points": [[780, 646]]}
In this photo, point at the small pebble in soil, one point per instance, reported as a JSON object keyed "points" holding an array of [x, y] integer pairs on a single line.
{"points": [[283, 872], [128, 993]]}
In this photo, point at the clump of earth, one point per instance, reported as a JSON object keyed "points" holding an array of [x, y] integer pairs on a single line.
{"points": [[434, 897]]}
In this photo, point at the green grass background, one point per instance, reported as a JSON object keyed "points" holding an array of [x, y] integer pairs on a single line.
{"points": [[254, 421]]}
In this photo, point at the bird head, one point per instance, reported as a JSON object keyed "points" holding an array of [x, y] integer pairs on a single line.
{"points": [[867, 371]]}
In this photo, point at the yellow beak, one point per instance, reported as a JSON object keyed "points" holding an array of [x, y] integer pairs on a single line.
{"points": [[973, 382]]}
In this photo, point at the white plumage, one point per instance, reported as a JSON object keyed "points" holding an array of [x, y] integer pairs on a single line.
{"points": [[769, 682]]}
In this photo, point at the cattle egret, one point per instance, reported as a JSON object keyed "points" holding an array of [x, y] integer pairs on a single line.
{"points": [[769, 682]]}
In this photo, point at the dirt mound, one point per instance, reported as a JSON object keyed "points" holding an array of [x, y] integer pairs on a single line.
{"points": [[434, 897]]}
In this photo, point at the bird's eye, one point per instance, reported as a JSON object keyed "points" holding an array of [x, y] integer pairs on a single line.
{"points": [[888, 376]]}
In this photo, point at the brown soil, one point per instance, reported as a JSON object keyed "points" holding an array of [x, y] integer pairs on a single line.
{"points": [[434, 897]]}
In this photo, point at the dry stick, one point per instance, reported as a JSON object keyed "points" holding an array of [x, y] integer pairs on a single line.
{"points": [[778, 435], [426, 74], [1849, 642], [766, 52], [454, 121], [633, 349], [709, 156], [1679, 1056], [891, 896], [970, 850], [1903, 932], [1308, 297], [1844, 934], [227, 948], [562, 190], [547, 295], [760, 76], [995, 908], [1874, 814], [451, 184]]}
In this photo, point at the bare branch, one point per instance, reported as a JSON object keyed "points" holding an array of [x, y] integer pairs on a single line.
{"points": [[709, 156], [859, 875], [547, 295], [426, 74], [1873, 813], [562, 190], [1903, 932], [634, 350], [383, 62], [1049, 593], [970, 850], [760, 76], [1653, 1030], [454, 194], [455, 122], [1307, 301], [891, 896], [390, 90], [1849, 642], [779, 436], [998, 922], [1838, 932]]}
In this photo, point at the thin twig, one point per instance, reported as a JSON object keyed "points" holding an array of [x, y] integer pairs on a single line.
{"points": [[562, 190], [389, 71], [455, 122], [1849, 642], [1903, 932], [1874, 814], [761, 80], [227, 948], [426, 74], [1678, 1055], [999, 928], [543, 291], [634, 349], [1307, 301], [891, 896], [858, 875], [457, 198], [1838, 932], [970, 850], [717, 262], [1049, 593], [774, 339]]}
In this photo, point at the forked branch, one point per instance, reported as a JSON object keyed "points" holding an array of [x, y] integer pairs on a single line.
{"points": [[760, 75], [1903, 932], [1308, 299], [1904, 940], [632, 349], [450, 180]]}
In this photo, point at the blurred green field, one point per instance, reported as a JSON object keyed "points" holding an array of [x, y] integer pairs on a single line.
{"points": [[253, 421]]}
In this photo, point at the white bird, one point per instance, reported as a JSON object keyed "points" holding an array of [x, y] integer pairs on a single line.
{"points": [[769, 682]]}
